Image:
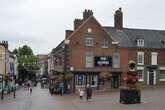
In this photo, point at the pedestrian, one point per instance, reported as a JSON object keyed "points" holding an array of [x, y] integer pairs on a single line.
{"points": [[89, 93], [51, 89], [61, 87], [30, 88], [28, 85], [81, 93]]}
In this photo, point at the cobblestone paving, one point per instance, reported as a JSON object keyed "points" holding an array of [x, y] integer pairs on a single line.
{"points": [[152, 99]]}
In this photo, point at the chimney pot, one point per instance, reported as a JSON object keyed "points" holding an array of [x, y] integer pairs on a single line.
{"points": [[4, 43], [118, 19], [120, 8], [68, 33], [87, 14], [77, 23]]}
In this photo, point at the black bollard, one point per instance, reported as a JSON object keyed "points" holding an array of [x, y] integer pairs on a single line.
{"points": [[14, 94], [2, 94]]}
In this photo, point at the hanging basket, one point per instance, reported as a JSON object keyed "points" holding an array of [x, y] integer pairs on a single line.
{"points": [[106, 76]]}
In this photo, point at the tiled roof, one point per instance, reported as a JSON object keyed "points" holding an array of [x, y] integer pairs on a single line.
{"points": [[58, 47], [128, 37]]}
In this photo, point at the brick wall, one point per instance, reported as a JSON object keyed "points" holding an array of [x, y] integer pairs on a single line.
{"points": [[78, 48]]}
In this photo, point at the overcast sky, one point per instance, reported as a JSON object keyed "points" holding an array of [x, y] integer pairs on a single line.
{"points": [[41, 24]]}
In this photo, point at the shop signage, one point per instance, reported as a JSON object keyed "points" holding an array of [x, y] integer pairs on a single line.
{"points": [[103, 61]]}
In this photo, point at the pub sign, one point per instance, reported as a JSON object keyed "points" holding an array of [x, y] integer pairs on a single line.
{"points": [[103, 61]]}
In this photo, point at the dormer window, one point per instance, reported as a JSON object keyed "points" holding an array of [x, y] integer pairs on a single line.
{"points": [[140, 42], [162, 42]]}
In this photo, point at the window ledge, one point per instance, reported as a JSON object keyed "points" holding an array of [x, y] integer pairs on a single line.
{"points": [[104, 47], [141, 80], [80, 85], [140, 64], [161, 79]]}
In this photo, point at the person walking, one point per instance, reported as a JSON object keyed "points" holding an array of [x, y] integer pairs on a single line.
{"points": [[81, 93], [51, 89], [30, 88], [61, 87], [89, 93]]}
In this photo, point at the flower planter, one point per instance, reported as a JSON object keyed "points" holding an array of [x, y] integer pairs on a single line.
{"points": [[130, 96]]}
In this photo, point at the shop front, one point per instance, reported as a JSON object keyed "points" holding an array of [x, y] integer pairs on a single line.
{"points": [[81, 79]]}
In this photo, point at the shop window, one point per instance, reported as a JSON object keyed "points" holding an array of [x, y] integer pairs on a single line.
{"points": [[94, 80], [80, 79]]}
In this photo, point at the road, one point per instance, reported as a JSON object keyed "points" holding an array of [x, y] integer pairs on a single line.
{"points": [[40, 99]]}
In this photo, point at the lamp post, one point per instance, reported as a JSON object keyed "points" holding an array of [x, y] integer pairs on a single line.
{"points": [[66, 43]]}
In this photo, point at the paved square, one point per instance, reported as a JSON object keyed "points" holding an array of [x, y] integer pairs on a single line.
{"points": [[152, 99]]}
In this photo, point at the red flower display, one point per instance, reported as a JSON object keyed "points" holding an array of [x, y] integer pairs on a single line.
{"points": [[130, 78]]}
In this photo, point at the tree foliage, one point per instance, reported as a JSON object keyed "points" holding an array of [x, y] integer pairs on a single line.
{"points": [[27, 62]]}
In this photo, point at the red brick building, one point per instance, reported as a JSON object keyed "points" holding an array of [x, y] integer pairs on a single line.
{"points": [[93, 52]]}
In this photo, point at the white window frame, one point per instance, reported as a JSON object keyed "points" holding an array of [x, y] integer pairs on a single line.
{"points": [[140, 54], [89, 41], [142, 79], [161, 69], [140, 42], [154, 58], [89, 60], [104, 43]]}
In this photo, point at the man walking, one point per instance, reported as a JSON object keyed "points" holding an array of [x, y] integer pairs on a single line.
{"points": [[61, 87], [89, 93]]}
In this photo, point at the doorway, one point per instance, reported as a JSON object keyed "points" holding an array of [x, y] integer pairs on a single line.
{"points": [[116, 80], [151, 77]]}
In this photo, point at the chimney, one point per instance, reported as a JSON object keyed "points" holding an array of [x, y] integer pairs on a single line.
{"points": [[4, 43], [87, 14], [77, 23], [118, 19], [68, 33]]}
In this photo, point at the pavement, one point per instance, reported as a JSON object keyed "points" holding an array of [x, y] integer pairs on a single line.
{"points": [[40, 99]]}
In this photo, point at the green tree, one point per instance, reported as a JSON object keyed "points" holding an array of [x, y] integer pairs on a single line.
{"points": [[27, 62]]}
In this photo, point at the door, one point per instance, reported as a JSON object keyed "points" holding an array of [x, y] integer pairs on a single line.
{"points": [[151, 77], [115, 80]]}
